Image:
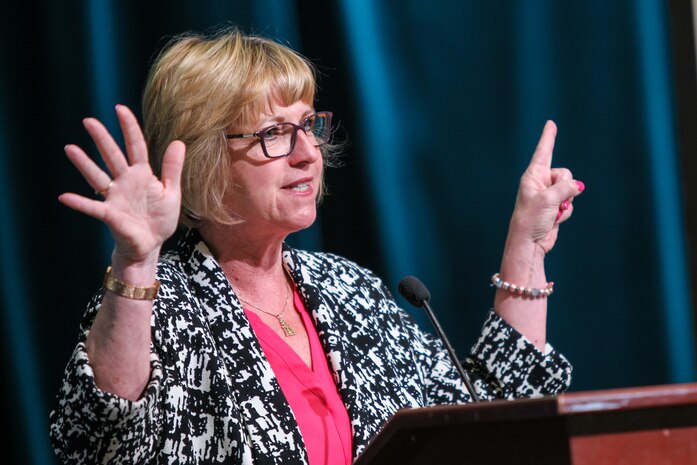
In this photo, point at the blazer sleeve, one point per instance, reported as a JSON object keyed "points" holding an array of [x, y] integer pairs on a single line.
{"points": [[91, 426], [502, 364]]}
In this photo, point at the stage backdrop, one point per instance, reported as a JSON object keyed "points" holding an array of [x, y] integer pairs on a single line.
{"points": [[441, 105]]}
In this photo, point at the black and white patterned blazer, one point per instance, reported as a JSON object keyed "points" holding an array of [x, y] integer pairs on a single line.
{"points": [[213, 397]]}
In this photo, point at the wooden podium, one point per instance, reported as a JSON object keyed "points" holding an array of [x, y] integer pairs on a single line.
{"points": [[654, 425]]}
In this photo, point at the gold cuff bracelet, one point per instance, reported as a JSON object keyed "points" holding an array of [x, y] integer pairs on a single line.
{"points": [[128, 291]]}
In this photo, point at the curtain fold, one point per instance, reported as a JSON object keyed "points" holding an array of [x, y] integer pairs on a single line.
{"points": [[376, 73], [661, 138], [20, 342]]}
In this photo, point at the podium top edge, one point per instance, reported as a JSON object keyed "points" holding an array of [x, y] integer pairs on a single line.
{"points": [[630, 398]]}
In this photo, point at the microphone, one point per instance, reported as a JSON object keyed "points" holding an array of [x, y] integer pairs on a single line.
{"points": [[416, 294]]}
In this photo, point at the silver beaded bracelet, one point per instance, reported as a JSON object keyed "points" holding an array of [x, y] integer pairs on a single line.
{"points": [[520, 290]]}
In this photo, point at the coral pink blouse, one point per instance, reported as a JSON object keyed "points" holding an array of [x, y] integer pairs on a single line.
{"points": [[311, 392]]}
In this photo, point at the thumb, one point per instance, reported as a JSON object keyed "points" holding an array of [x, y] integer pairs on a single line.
{"points": [[172, 164]]}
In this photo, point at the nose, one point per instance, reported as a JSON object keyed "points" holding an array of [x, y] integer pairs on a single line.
{"points": [[305, 150]]}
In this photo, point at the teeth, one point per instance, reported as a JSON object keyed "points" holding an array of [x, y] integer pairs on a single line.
{"points": [[303, 186]]}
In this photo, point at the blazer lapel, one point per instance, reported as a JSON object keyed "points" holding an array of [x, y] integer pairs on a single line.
{"points": [[269, 421], [334, 308]]}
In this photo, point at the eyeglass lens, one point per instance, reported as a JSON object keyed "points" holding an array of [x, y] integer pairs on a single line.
{"points": [[279, 140]]}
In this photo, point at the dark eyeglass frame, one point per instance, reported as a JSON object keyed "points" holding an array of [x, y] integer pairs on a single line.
{"points": [[296, 127]]}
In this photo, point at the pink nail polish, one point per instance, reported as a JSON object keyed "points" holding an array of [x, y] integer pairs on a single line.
{"points": [[559, 214], [581, 186], [565, 205]]}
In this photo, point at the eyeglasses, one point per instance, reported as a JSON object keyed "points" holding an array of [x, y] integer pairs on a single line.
{"points": [[279, 140]]}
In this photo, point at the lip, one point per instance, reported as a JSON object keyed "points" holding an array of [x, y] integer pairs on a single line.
{"points": [[292, 185]]}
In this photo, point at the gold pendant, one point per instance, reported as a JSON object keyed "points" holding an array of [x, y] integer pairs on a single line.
{"points": [[287, 330]]}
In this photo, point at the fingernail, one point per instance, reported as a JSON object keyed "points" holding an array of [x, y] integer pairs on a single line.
{"points": [[581, 186], [565, 205], [559, 214]]}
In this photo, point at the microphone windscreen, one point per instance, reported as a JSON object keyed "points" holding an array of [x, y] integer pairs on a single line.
{"points": [[414, 291]]}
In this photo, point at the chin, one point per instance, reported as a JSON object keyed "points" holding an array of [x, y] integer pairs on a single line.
{"points": [[305, 221]]}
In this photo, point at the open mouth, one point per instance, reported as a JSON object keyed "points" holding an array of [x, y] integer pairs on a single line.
{"points": [[301, 186]]}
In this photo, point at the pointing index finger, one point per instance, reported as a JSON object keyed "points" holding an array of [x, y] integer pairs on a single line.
{"points": [[545, 147]]}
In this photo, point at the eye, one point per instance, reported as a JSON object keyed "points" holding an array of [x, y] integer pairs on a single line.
{"points": [[309, 123], [269, 134], [320, 125]]}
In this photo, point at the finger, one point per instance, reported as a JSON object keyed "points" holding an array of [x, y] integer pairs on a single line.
{"points": [[172, 164], [107, 146], [545, 147], [559, 174], [136, 148], [89, 207], [565, 214], [565, 205], [561, 191], [93, 173], [566, 181]]}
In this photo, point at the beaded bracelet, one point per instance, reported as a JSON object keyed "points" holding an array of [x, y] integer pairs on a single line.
{"points": [[520, 290]]}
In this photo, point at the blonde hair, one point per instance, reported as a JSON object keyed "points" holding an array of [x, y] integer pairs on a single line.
{"points": [[200, 85]]}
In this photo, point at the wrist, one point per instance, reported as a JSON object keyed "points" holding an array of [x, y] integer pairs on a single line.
{"points": [[137, 273], [523, 263], [520, 233]]}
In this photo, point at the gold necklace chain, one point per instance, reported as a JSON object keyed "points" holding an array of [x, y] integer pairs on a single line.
{"points": [[287, 329]]}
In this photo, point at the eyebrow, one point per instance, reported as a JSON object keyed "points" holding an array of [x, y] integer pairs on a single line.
{"points": [[278, 119]]}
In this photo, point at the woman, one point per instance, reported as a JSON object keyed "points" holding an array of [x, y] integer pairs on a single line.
{"points": [[232, 347]]}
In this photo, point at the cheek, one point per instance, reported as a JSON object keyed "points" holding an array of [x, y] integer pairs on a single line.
{"points": [[241, 192], [246, 179]]}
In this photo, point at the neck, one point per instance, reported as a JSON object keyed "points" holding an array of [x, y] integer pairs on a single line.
{"points": [[251, 263]]}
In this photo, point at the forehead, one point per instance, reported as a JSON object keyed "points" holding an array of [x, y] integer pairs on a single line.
{"points": [[276, 112], [264, 96]]}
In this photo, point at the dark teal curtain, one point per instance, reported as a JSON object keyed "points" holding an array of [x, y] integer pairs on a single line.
{"points": [[441, 105]]}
